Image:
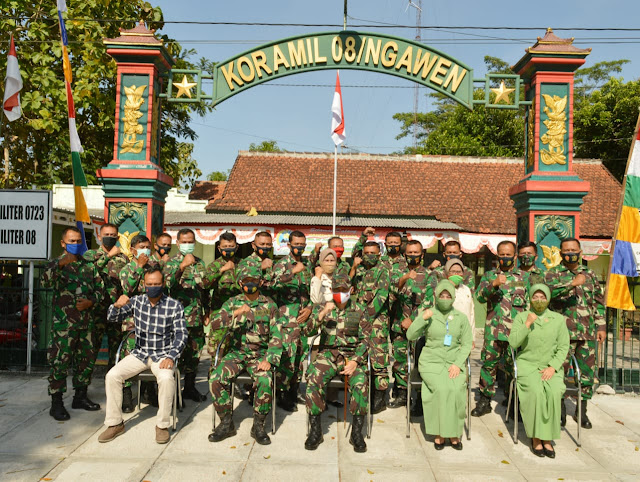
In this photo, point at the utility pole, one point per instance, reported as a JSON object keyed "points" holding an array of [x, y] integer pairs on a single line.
{"points": [[416, 88]]}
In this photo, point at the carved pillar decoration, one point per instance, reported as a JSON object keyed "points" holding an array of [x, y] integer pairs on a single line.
{"points": [[548, 198], [135, 186]]}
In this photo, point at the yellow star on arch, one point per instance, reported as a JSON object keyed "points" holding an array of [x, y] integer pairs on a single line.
{"points": [[502, 93], [184, 87]]}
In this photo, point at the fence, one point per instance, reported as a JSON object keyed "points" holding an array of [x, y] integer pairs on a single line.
{"points": [[619, 356]]}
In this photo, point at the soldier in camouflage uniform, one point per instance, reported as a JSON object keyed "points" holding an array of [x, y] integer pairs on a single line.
{"points": [[187, 282], [262, 257], [504, 291], [452, 250], [77, 287], [371, 281], [527, 257], [255, 320], [344, 345], [576, 294], [108, 260], [290, 288], [337, 244], [162, 248]]}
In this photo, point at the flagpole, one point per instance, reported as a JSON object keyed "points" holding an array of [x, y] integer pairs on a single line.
{"points": [[335, 185]]}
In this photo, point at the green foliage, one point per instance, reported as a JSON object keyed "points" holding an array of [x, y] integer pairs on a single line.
{"points": [[39, 141], [588, 79], [265, 146], [218, 175]]}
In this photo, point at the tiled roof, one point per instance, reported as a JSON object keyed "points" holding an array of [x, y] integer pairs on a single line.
{"points": [[207, 190], [471, 192], [138, 35], [551, 43]]}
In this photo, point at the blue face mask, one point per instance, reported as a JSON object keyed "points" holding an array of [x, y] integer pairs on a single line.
{"points": [[154, 291], [74, 249]]}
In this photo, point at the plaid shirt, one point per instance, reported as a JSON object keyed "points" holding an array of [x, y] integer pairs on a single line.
{"points": [[160, 330]]}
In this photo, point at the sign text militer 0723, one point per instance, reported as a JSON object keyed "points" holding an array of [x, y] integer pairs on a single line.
{"points": [[25, 225]]}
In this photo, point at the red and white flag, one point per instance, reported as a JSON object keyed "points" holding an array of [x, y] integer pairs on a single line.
{"points": [[337, 115], [12, 86]]}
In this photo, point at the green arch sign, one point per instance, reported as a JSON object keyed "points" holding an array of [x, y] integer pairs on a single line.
{"points": [[329, 51]]}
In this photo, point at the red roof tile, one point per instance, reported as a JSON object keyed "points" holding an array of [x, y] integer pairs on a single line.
{"points": [[471, 192], [207, 190]]}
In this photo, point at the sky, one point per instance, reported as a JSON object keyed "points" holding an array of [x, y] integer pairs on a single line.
{"points": [[298, 117]]}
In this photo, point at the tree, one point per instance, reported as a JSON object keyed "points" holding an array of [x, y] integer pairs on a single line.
{"points": [[265, 146], [39, 141], [218, 175]]}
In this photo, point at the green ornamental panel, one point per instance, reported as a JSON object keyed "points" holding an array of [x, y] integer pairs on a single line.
{"points": [[133, 116], [130, 217], [554, 127], [157, 220], [550, 229]]}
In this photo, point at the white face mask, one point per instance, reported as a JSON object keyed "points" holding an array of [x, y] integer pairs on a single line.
{"points": [[341, 297], [145, 251], [187, 248]]}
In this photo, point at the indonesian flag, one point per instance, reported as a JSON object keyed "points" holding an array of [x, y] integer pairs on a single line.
{"points": [[12, 86], [337, 115]]}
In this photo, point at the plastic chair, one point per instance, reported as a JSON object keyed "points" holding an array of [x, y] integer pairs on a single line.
{"points": [[513, 394], [338, 382], [148, 376], [416, 382], [245, 379]]}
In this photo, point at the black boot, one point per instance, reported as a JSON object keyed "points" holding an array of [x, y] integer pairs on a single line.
{"points": [[257, 431], [189, 392], [357, 439], [315, 437], [225, 430], [80, 400], [378, 403], [127, 400], [483, 406], [148, 394], [58, 411], [563, 413], [285, 402], [585, 422], [417, 409], [400, 400]]}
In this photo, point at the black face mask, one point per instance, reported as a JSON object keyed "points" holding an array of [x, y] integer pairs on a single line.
{"points": [[250, 287], [228, 253], [393, 249], [413, 259], [449, 257], [298, 250], [570, 258], [109, 242], [264, 252], [163, 250], [506, 262]]}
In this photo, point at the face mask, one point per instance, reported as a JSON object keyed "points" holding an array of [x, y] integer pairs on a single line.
{"points": [[228, 253], [187, 248], [526, 259], [456, 279], [328, 268], [413, 259], [250, 287], [506, 262], [75, 249], [444, 304], [109, 242], [297, 250], [264, 252], [145, 251], [339, 252], [163, 250], [571, 258], [369, 260], [154, 291], [449, 257], [393, 249], [538, 306], [341, 297]]}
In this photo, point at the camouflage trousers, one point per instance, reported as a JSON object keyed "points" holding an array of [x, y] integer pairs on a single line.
{"points": [[127, 347], [114, 337], [585, 353], [493, 353], [71, 345], [327, 365], [188, 362], [400, 347], [380, 353], [296, 349], [232, 365]]}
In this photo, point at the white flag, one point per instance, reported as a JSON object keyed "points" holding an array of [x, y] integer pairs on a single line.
{"points": [[337, 115], [12, 86]]}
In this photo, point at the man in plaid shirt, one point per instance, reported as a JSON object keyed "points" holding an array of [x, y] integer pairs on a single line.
{"points": [[161, 335]]}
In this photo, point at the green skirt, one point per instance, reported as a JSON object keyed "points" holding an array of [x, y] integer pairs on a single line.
{"points": [[540, 404], [444, 401]]}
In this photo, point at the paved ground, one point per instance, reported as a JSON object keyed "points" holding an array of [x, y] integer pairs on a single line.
{"points": [[35, 447]]}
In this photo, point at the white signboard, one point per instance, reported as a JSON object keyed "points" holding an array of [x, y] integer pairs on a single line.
{"points": [[25, 224]]}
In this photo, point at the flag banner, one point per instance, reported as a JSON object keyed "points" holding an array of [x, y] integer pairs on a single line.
{"points": [[12, 85], [337, 115], [625, 261]]}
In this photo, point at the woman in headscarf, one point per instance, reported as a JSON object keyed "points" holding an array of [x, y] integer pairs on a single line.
{"points": [[454, 270], [542, 338], [321, 282], [442, 365]]}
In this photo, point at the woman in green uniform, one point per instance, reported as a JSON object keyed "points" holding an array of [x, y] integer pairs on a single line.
{"points": [[442, 366], [542, 338]]}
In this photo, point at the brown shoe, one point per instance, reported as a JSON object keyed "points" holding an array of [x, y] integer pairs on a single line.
{"points": [[111, 432], [162, 435]]}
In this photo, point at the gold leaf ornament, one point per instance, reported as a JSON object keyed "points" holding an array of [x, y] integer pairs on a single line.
{"points": [[555, 108], [132, 115], [552, 256]]}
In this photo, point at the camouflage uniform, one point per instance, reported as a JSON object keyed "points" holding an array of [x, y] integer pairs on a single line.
{"points": [[372, 295], [345, 335], [261, 339], [342, 266], [503, 304], [254, 262], [70, 335], [108, 269], [584, 308], [410, 298], [191, 288], [223, 286], [535, 276]]}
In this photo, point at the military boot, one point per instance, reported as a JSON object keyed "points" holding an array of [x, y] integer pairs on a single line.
{"points": [[585, 422], [563, 413], [483, 406], [285, 402], [127, 400], [378, 403], [257, 431], [417, 408], [189, 392], [357, 439], [58, 411], [80, 400], [225, 430], [401, 398], [149, 394], [315, 437]]}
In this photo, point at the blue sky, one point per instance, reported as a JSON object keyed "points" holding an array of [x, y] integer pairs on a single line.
{"points": [[299, 117]]}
